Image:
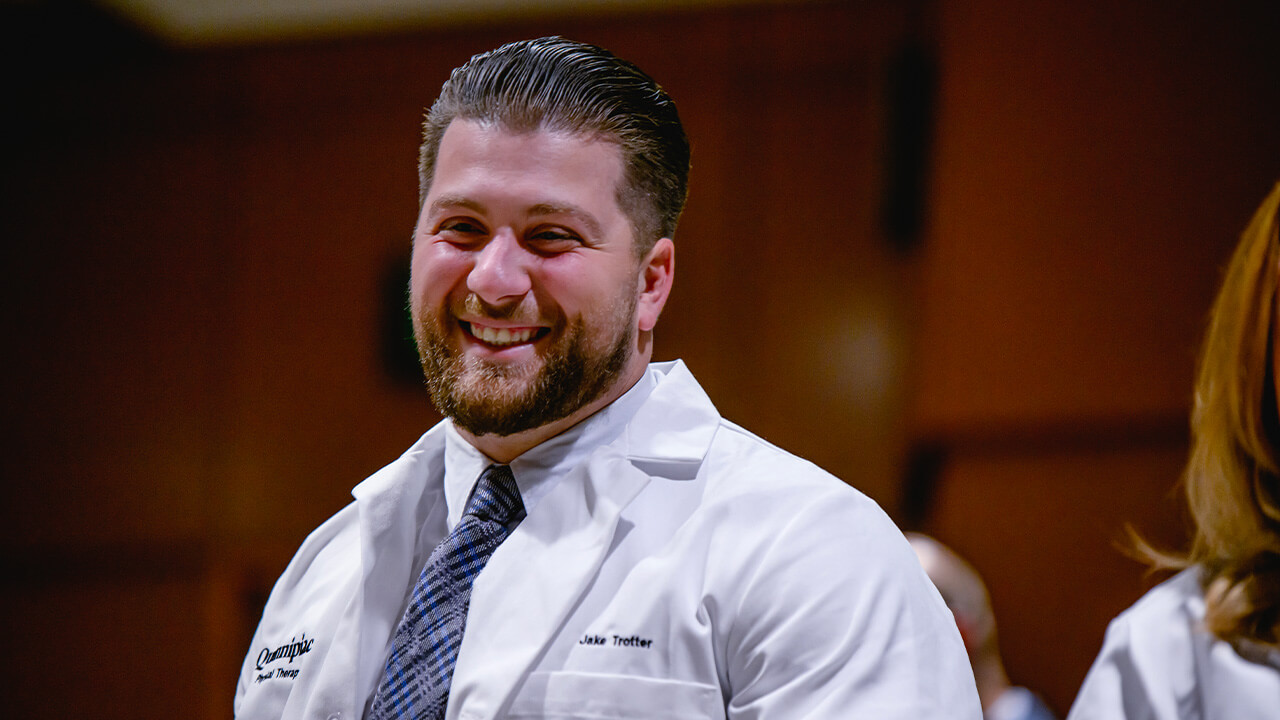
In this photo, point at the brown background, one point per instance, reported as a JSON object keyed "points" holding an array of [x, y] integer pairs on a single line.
{"points": [[203, 244]]}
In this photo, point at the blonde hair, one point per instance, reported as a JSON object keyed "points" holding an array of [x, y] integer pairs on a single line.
{"points": [[1232, 479]]}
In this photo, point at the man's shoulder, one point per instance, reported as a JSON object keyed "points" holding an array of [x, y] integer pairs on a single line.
{"points": [[732, 447], [738, 450], [762, 485], [331, 549]]}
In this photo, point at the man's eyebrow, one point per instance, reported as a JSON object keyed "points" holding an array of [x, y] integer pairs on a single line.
{"points": [[549, 208], [455, 201]]}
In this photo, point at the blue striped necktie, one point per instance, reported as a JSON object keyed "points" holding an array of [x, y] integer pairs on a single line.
{"points": [[416, 681]]}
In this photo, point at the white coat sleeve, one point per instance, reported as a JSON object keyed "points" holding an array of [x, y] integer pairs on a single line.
{"points": [[1145, 670], [838, 620], [1115, 688]]}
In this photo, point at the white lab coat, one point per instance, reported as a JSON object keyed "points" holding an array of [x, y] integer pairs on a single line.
{"points": [[1159, 663], [687, 570]]}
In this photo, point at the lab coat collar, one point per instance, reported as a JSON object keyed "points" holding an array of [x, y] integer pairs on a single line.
{"points": [[669, 435], [395, 504], [673, 430]]}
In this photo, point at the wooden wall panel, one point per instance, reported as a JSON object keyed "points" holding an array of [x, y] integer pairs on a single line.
{"points": [[107, 647], [1094, 168], [113, 312], [1095, 165], [199, 242], [1046, 530]]}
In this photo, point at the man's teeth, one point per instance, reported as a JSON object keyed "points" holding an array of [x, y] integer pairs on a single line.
{"points": [[502, 336]]}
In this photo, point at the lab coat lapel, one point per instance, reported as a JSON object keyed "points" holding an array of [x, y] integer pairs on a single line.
{"points": [[672, 432], [536, 577], [395, 504]]}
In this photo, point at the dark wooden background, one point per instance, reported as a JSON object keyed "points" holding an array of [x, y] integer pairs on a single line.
{"points": [[203, 252]]}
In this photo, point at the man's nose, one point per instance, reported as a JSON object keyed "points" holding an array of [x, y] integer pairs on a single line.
{"points": [[501, 271]]}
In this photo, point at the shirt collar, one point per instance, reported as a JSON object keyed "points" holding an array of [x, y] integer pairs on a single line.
{"points": [[538, 469]]}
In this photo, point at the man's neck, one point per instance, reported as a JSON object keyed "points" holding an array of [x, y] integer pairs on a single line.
{"points": [[505, 448]]}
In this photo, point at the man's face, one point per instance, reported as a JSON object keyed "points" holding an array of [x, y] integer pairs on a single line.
{"points": [[524, 283]]}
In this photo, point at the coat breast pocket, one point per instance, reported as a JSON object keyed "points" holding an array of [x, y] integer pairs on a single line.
{"points": [[598, 696]]}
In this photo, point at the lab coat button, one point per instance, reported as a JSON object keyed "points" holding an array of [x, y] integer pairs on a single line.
{"points": [[335, 716]]}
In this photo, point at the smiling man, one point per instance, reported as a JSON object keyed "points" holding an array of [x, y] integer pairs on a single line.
{"points": [[584, 535], [524, 283]]}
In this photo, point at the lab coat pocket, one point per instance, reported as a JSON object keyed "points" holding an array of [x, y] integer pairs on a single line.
{"points": [[597, 696]]}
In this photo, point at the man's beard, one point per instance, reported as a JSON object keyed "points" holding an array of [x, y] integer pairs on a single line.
{"points": [[486, 398]]}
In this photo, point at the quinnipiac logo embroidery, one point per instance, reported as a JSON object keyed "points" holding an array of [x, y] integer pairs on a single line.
{"points": [[295, 648]]}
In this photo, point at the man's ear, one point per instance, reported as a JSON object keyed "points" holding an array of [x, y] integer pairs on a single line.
{"points": [[657, 271]]}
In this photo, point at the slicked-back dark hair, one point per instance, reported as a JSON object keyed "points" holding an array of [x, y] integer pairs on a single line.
{"points": [[561, 85]]}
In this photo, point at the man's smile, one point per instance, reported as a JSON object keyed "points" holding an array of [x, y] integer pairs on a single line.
{"points": [[502, 336]]}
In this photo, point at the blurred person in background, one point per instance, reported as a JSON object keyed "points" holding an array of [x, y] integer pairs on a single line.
{"points": [[965, 593], [1205, 644]]}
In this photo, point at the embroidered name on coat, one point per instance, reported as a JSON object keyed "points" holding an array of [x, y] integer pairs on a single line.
{"points": [[634, 641], [293, 649]]}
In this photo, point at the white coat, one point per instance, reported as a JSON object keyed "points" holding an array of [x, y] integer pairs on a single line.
{"points": [[1159, 663], [687, 570]]}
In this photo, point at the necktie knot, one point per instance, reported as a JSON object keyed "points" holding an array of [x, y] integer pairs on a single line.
{"points": [[496, 496]]}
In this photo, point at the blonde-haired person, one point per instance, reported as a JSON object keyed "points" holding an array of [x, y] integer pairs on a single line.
{"points": [[1205, 644], [965, 594]]}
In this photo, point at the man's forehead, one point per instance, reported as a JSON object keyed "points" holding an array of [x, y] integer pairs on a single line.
{"points": [[559, 156]]}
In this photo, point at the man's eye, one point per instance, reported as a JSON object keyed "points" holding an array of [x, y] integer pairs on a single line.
{"points": [[464, 227], [552, 240]]}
